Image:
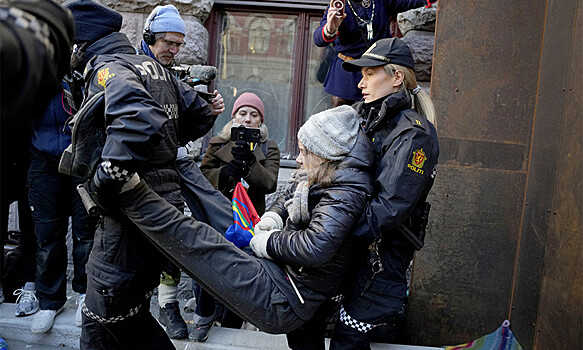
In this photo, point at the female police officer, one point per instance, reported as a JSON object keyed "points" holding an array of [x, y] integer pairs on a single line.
{"points": [[398, 118]]}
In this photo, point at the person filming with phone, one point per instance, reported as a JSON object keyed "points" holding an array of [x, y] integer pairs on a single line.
{"points": [[240, 152], [351, 27]]}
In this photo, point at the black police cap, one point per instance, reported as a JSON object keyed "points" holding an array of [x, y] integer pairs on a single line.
{"points": [[384, 51]]}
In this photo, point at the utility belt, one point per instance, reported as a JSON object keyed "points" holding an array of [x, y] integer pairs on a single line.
{"points": [[345, 58]]}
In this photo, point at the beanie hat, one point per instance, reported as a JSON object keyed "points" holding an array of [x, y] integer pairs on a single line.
{"points": [[251, 100], [165, 19], [330, 134], [382, 52], [93, 21]]}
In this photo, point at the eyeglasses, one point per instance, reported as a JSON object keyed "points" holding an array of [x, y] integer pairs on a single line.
{"points": [[172, 44]]}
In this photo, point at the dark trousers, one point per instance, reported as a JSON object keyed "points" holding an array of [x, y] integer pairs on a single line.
{"points": [[310, 335], [348, 338], [21, 261], [254, 288], [138, 331], [53, 198]]}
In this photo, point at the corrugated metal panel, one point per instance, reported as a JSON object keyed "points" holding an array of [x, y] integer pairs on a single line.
{"points": [[510, 135]]}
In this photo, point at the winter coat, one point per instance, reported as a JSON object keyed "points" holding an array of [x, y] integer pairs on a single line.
{"points": [[319, 252], [406, 149], [148, 112], [262, 178], [351, 41], [50, 132]]}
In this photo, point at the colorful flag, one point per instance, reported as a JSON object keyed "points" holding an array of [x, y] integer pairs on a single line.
{"points": [[502, 339], [244, 218]]}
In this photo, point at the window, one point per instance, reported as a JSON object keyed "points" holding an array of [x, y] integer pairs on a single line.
{"points": [[269, 50]]}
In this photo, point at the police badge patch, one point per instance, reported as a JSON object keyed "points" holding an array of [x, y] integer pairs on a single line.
{"points": [[417, 161], [103, 75]]}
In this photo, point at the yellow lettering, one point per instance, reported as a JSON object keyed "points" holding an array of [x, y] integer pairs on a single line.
{"points": [[415, 169]]}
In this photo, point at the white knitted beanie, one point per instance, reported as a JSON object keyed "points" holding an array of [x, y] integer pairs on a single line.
{"points": [[330, 134]]}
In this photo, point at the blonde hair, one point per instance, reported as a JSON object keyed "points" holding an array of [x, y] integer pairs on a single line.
{"points": [[225, 134], [421, 100], [322, 174]]}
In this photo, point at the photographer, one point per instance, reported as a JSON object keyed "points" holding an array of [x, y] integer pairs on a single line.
{"points": [[224, 164]]}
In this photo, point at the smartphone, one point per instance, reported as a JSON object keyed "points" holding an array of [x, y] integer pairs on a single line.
{"points": [[339, 5]]}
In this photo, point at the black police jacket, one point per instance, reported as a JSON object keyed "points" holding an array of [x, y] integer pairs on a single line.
{"points": [[406, 149], [148, 111]]}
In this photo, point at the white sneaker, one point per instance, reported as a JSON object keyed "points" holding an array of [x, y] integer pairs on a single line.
{"points": [[43, 320], [26, 303], [79, 315]]}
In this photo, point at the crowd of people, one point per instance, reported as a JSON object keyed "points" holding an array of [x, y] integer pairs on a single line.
{"points": [[338, 241]]}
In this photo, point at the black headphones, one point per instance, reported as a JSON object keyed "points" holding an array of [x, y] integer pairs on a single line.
{"points": [[149, 37]]}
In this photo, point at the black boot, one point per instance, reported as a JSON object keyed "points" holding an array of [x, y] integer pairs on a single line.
{"points": [[170, 318]]}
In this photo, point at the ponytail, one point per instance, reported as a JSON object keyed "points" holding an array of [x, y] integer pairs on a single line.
{"points": [[421, 101]]}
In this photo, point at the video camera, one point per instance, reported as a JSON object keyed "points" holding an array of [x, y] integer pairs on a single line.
{"points": [[248, 135], [196, 75]]}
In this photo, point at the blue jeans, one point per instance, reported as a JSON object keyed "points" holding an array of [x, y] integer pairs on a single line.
{"points": [[53, 198]]}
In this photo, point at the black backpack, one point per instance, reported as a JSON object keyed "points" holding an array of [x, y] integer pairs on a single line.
{"points": [[83, 155]]}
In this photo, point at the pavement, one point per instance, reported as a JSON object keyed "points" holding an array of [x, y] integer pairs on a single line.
{"points": [[65, 335]]}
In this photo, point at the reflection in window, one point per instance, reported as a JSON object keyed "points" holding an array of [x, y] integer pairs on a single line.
{"points": [[259, 31], [285, 38]]}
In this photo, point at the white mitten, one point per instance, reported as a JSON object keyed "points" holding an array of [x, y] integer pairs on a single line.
{"points": [[259, 244], [270, 221]]}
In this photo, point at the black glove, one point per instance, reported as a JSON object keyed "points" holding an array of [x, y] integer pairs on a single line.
{"points": [[104, 191], [236, 169], [242, 152]]}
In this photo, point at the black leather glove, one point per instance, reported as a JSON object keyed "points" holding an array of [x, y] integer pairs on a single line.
{"points": [[104, 191], [236, 169], [242, 152]]}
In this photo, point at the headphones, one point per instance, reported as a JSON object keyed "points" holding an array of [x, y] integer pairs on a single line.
{"points": [[149, 37]]}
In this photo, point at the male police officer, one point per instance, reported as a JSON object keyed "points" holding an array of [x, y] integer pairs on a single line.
{"points": [[163, 36], [148, 113]]}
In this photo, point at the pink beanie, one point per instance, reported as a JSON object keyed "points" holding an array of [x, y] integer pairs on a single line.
{"points": [[251, 100]]}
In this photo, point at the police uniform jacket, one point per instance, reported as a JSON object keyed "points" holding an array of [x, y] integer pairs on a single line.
{"points": [[262, 178], [406, 149], [148, 112], [318, 253], [352, 41]]}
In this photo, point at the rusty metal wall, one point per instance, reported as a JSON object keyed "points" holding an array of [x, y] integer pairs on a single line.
{"points": [[507, 131], [559, 316]]}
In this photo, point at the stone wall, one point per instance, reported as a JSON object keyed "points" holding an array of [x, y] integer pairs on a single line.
{"points": [[418, 29]]}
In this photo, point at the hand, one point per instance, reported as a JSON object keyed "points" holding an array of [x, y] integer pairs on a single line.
{"points": [[270, 221], [241, 151], [259, 245], [218, 104], [235, 169], [334, 19]]}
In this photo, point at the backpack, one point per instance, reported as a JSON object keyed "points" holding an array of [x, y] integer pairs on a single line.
{"points": [[83, 155]]}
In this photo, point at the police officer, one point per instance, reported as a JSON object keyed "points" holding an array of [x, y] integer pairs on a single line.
{"points": [[163, 36], [398, 118], [148, 113], [351, 30]]}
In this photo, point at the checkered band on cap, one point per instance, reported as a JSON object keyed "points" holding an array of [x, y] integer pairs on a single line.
{"points": [[360, 326], [116, 172], [377, 57]]}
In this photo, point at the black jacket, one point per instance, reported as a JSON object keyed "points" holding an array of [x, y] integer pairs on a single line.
{"points": [[319, 252], [148, 111], [406, 150]]}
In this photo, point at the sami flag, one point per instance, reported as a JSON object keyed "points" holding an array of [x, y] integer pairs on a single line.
{"points": [[244, 218]]}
